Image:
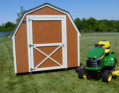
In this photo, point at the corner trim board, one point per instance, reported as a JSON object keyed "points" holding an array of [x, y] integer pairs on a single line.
{"points": [[78, 42], [14, 54]]}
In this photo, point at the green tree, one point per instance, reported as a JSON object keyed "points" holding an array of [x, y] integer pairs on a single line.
{"points": [[9, 26], [117, 26], [91, 22], [84, 25], [19, 15], [77, 21], [2, 28]]}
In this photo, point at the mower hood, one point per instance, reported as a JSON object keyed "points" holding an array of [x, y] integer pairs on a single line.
{"points": [[95, 52]]}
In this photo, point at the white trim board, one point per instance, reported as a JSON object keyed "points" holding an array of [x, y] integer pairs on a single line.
{"points": [[78, 42], [47, 68], [14, 55], [43, 7], [31, 18]]}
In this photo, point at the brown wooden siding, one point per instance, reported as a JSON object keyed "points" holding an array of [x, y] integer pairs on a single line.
{"points": [[72, 49], [46, 32], [21, 49]]}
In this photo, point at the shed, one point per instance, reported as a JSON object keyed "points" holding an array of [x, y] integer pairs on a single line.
{"points": [[46, 38]]}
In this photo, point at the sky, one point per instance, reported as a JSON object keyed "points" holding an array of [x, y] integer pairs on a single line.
{"points": [[99, 9]]}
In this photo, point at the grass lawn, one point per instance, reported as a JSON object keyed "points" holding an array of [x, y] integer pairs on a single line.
{"points": [[55, 82]]}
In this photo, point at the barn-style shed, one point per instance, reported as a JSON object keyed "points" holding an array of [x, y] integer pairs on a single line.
{"points": [[46, 38]]}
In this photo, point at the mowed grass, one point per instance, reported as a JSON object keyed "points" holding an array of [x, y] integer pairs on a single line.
{"points": [[56, 82]]}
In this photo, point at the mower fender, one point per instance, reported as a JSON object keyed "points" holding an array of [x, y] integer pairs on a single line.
{"points": [[109, 64], [109, 60], [116, 72]]}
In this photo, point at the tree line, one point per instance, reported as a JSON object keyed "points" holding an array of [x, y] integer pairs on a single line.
{"points": [[93, 25], [7, 27], [84, 25]]}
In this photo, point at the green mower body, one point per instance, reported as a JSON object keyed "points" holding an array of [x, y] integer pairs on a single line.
{"points": [[98, 60]]}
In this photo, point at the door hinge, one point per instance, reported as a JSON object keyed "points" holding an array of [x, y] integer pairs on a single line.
{"points": [[32, 69], [30, 45]]}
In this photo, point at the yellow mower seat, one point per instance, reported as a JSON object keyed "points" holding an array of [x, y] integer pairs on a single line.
{"points": [[106, 45]]}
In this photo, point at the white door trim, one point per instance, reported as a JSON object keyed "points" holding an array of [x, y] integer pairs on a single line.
{"points": [[31, 18]]}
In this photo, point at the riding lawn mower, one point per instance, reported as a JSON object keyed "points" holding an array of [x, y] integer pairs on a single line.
{"points": [[100, 62]]}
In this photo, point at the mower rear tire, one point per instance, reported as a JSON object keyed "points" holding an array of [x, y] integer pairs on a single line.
{"points": [[107, 76], [115, 64]]}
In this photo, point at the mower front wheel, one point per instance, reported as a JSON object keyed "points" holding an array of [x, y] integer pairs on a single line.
{"points": [[81, 73], [107, 76]]}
